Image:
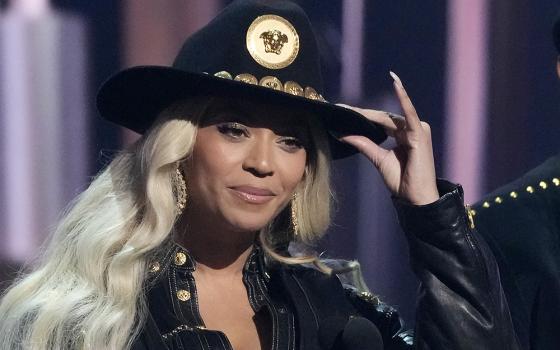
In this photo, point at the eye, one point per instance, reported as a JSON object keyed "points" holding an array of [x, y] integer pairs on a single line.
{"points": [[233, 130], [291, 143]]}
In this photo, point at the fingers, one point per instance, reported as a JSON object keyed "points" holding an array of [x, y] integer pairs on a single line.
{"points": [[412, 120], [389, 121], [370, 149]]}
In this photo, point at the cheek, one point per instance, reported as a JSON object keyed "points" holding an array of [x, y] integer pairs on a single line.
{"points": [[211, 163], [294, 170]]}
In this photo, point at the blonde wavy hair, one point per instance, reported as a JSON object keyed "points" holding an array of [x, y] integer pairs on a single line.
{"points": [[86, 291]]}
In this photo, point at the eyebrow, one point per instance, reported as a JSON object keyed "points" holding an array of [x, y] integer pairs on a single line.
{"points": [[236, 111]]}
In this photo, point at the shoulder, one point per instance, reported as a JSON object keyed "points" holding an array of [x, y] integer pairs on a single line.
{"points": [[312, 280], [534, 197], [522, 218]]}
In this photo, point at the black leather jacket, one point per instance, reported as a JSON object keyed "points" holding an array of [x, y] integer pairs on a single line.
{"points": [[460, 305]]}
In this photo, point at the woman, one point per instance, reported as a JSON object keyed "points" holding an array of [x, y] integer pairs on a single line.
{"points": [[183, 241]]}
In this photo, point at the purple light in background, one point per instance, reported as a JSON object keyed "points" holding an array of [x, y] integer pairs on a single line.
{"points": [[351, 50], [43, 116], [32, 8], [17, 162], [466, 94]]}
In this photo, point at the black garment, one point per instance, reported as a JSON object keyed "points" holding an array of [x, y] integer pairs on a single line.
{"points": [[461, 304], [521, 222], [173, 303]]}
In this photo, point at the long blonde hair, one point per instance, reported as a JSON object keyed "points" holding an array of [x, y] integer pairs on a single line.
{"points": [[86, 289]]}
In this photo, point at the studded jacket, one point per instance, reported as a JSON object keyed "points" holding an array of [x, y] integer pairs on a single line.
{"points": [[460, 305], [521, 223]]}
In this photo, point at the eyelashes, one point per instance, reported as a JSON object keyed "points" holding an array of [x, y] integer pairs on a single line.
{"points": [[237, 132], [292, 142], [233, 129]]}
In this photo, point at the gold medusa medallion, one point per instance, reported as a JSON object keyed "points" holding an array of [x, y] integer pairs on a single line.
{"points": [[272, 41]]}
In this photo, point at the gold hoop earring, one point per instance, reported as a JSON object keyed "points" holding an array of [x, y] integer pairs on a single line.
{"points": [[294, 221], [180, 191]]}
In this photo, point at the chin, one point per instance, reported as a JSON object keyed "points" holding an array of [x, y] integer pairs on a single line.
{"points": [[249, 226], [250, 222]]}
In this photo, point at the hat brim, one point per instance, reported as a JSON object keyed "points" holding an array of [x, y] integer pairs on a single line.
{"points": [[134, 97]]}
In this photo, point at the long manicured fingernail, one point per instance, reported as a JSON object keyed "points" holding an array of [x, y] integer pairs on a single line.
{"points": [[343, 105], [396, 79]]}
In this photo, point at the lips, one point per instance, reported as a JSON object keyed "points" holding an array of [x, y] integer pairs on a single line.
{"points": [[252, 194]]}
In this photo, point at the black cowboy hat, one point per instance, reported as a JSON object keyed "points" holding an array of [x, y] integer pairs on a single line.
{"points": [[259, 48]]}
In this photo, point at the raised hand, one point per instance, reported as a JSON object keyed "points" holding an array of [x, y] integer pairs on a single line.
{"points": [[408, 169]]}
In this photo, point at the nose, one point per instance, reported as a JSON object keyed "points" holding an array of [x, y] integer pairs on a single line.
{"points": [[259, 159]]}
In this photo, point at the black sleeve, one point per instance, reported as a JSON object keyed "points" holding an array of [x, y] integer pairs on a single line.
{"points": [[461, 304]]}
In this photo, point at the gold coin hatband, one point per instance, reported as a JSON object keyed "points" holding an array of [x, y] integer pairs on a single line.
{"points": [[271, 82]]}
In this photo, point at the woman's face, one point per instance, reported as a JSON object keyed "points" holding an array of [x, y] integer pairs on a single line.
{"points": [[245, 165]]}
